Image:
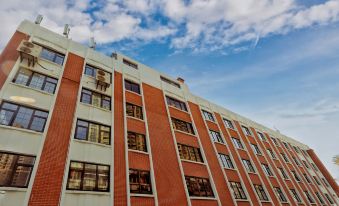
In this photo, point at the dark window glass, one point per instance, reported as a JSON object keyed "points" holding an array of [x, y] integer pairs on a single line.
{"points": [[237, 143], [325, 182], [275, 141], [182, 126], [283, 173], [248, 165], [296, 176], [319, 198], [328, 198], [134, 111], [309, 197], [226, 161], [176, 103], [15, 169], [131, 86], [238, 191], [189, 153], [286, 145], [271, 153], [208, 115], [296, 149], [199, 187], [296, 161], [52, 56], [314, 167], [95, 99], [168, 81], [267, 169], [35, 80], [129, 63], [246, 130], [261, 192], [316, 180], [90, 71], [256, 149], [280, 194], [22, 117], [284, 157], [307, 178], [93, 132], [229, 124], [88, 177], [295, 195], [216, 137], [140, 181], [261, 136], [136, 141]]}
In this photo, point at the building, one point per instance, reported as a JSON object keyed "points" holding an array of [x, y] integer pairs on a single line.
{"points": [[80, 128]]}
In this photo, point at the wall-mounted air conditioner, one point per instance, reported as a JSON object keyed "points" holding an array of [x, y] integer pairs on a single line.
{"points": [[29, 51]]}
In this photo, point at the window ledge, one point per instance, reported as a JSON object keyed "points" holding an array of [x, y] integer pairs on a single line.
{"points": [[190, 161], [134, 118], [232, 130], [219, 143], [96, 107], [141, 195], [19, 189], [207, 120], [232, 169], [242, 200], [193, 135], [93, 143], [138, 151], [20, 129], [240, 149], [202, 198], [50, 62], [87, 192], [31, 88], [265, 201], [128, 91], [173, 107]]}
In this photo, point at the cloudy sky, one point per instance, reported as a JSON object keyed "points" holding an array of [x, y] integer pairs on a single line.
{"points": [[274, 61]]}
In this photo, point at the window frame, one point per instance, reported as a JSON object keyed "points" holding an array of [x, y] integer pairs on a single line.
{"points": [[256, 149], [295, 195], [237, 142], [129, 85], [261, 136], [309, 197], [226, 161], [139, 171], [271, 153], [260, 190], [130, 63], [188, 149], [208, 115], [238, 190], [267, 170], [102, 98], [216, 136], [248, 165], [280, 194], [170, 82], [87, 132], [96, 69], [228, 123], [56, 54], [136, 141], [188, 125], [283, 173], [135, 108], [246, 130], [176, 103], [198, 180]]}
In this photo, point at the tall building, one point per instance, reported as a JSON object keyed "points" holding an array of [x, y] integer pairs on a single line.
{"points": [[79, 128]]}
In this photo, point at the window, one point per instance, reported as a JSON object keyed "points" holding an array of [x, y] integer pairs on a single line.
{"points": [[297, 178], [182, 126], [140, 181], [238, 191], [226, 161], [199, 187], [280, 194], [95, 99], [307, 178], [93, 132], [216, 137], [88, 177], [237, 143], [176, 103], [286, 145], [306, 165], [93, 71], [22, 117], [15, 169], [296, 161], [261, 192], [189, 153], [256, 149], [229, 124], [208, 116], [295, 195], [130, 64], [309, 197], [261, 136], [168, 81], [316, 180], [284, 157], [35, 80], [271, 153], [246, 130], [319, 198], [328, 198], [248, 165], [275, 141], [325, 182], [314, 167], [131, 86], [283, 173], [134, 111], [52, 56], [136, 141], [267, 170], [296, 149]]}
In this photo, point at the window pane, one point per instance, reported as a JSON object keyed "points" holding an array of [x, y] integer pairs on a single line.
{"points": [[21, 176], [47, 54], [49, 87], [106, 103], [37, 81], [103, 177], [96, 99], [90, 71], [105, 135], [59, 59], [23, 117], [89, 177], [38, 124], [93, 134], [6, 117], [23, 76], [75, 175], [7, 162]]}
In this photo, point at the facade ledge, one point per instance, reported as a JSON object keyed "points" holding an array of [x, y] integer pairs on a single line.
{"points": [[93, 143], [137, 151], [232, 169], [87, 192], [242, 200], [27, 87], [134, 118], [3, 190], [190, 161], [142, 195], [131, 92], [193, 135], [203, 198], [207, 120], [170, 106], [20, 129], [220, 143], [96, 107]]}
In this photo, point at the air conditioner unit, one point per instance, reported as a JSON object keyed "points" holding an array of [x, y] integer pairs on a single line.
{"points": [[29, 51], [103, 77]]}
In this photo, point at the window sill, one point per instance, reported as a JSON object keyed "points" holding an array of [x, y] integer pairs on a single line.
{"points": [[232, 169], [20, 129], [193, 135], [138, 151], [141, 195], [242, 200], [134, 118], [265, 201], [202, 198], [219, 143], [128, 91], [92, 143], [31, 88], [18, 189], [190, 161], [96, 107], [208, 120], [87, 192], [173, 107], [50, 62], [240, 149]]}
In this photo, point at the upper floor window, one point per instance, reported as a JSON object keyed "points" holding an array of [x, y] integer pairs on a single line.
{"points": [[261, 192], [306, 165], [285, 157], [261, 136], [182, 126], [309, 197], [316, 180], [325, 182], [248, 165], [176, 103], [256, 149], [189, 153], [92, 132], [314, 167], [88, 177], [22, 117], [307, 178], [275, 141], [229, 124], [246, 130], [35, 80], [199, 187], [95, 99], [295, 195], [319, 198], [140, 181], [93, 72], [296, 161], [15, 169], [286, 145], [238, 191], [271, 153], [267, 170], [237, 143], [130, 64], [296, 149], [52, 56], [296, 176], [283, 173], [208, 115], [136, 141], [134, 111], [168, 81], [131, 86], [328, 198], [216, 136], [280, 194], [226, 161]]}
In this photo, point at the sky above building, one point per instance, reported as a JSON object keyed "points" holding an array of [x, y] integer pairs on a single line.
{"points": [[275, 62]]}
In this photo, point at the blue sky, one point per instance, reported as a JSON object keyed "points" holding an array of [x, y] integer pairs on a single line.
{"points": [[276, 62]]}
